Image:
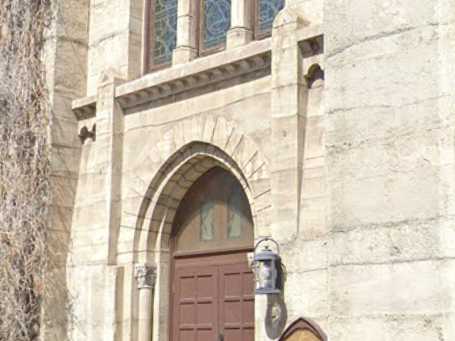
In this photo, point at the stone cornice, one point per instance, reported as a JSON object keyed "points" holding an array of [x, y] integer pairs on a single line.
{"points": [[200, 72], [129, 96]]}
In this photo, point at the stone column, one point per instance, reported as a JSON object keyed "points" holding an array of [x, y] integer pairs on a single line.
{"points": [[241, 31], [186, 32], [146, 278]]}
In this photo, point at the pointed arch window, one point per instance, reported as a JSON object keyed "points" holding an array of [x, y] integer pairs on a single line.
{"points": [[266, 11], [216, 21], [161, 27]]}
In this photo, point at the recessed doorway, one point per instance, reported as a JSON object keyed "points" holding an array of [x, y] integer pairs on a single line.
{"points": [[212, 286]]}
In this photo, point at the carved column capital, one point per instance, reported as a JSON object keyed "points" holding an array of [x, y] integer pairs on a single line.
{"points": [[145, 276]]}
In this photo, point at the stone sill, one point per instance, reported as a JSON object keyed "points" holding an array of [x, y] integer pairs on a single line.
{"points": [[198, 65], [198, 73]]}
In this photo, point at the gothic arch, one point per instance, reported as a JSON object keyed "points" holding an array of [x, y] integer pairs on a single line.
{"points": [[195, 146], [191, 148]]}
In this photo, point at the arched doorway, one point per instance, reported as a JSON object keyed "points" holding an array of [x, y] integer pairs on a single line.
{"points": [[212, 286]]}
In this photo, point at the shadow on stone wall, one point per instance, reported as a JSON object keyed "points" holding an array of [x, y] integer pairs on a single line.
{"points": [[276, 316], [277, 313]]}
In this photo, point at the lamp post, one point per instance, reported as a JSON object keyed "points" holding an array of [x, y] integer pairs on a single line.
{"points": [[267, 269]]}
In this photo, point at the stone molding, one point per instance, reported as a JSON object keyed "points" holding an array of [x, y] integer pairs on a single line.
{"points": [[210, 70], [131, 97], [185, 166], [226, 146], [145, 276]]}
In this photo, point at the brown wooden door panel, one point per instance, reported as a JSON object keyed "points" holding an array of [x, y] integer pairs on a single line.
{"points": [[212, 300], [236, 302], [195, 315]]}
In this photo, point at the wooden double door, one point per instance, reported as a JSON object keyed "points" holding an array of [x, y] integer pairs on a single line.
{"points": [[213, 299], [212, 286]]}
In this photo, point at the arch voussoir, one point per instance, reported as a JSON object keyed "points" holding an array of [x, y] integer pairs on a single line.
{"points": [[192, 147]]}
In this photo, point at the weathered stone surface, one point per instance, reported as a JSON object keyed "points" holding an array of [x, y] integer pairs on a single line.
{"points": [[344, 147], [388, 154]]}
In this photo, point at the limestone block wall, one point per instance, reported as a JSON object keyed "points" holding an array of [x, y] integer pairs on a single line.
{"points": [[348, 147], [65, 60], [390, 159], [311, 10], [150, 136], [298, 165], [272, 127], [115, 40]]}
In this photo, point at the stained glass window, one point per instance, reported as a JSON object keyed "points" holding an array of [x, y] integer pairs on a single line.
{"points": [[217, 21], [267, 11], [164, 30], [235, 218], [207, 221]]}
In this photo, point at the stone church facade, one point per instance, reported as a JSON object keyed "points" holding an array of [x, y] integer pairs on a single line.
{"points": [[185, 131]]}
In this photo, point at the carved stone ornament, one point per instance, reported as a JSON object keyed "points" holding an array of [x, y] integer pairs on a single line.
{"points": [[85, 134], [145, 276]]}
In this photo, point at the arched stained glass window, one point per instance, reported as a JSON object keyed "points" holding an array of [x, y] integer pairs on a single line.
{"points": [[216, 23], [266, 13], [162, 32]]}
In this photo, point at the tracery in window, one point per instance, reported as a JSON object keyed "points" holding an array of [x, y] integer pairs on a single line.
{"points": [[216, 22], [266, 13], [163, 31]]}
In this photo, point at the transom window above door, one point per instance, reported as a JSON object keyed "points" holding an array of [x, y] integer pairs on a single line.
{"points": [[213, 215]]}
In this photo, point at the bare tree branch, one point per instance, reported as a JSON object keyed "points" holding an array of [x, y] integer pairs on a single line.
{"points": [[24, 167]]}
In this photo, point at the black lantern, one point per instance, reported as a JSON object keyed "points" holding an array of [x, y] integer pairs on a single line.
{"points": [[267, 269]]}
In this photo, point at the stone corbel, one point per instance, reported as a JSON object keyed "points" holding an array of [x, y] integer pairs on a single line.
{"points": [[85, 134], [145, 276]]}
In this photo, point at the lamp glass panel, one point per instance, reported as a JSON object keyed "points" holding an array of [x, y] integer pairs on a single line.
{"points": [[266, 277]]}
